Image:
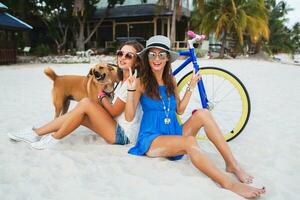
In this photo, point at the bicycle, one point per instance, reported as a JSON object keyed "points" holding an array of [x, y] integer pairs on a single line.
{"points": [[219, 91]]}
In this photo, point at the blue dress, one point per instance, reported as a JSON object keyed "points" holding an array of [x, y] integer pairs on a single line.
{"points": [[153, 125]]}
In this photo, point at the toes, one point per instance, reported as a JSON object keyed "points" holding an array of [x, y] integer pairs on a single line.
{"points": [[252, 195], [263, 190], [246, 180], [249, 180], [257, 193]]}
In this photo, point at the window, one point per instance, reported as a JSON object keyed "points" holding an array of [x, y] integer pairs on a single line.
{"points": [[121, 30], [144, 30]]}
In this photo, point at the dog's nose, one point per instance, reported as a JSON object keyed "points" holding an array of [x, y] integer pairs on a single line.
{"points": [[102, 77], [99, 76]]}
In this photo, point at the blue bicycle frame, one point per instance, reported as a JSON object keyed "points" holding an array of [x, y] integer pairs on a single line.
{"points": [[192, 58]]}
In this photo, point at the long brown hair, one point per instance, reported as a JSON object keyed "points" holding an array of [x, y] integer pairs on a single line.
{"points": [[138, 47], [149, 81]]}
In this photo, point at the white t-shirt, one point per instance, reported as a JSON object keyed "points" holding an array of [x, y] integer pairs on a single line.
{"points": [[131, 128]]}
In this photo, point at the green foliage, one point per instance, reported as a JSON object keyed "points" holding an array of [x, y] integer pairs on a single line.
{"points": [[62, 24], [233, 18], [42, 50], [296, 37], [282, 39]]}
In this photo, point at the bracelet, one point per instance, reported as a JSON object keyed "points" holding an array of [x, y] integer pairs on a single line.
{"points": [[101, 94], [100, 99], [131, 90]]}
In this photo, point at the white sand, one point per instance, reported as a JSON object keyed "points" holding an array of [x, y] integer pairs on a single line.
{"points": [[287, 58], [83, 166]]}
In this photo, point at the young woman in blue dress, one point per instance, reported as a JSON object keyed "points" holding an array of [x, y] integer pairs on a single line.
{"points": [[160, 133]]}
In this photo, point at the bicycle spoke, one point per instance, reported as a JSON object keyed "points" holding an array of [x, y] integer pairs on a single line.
{"points": [[227, 98]]}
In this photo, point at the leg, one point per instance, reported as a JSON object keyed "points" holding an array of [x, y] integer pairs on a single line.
{"points": [[89, 113], [58, 105], [166, 146], [203, 118], [85, 113], [55, 124], [65, 107], [52, 126]]}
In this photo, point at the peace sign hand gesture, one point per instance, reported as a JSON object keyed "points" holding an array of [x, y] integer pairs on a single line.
{"points": [[195, 78], [131, 81]]}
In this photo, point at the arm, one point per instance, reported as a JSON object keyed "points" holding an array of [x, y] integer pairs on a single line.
{"points": [[113, 109], [182, 104], [118, 106], [133, 98]]}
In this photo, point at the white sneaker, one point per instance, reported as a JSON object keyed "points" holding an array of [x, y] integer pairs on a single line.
{"points": [[27, 135], [46, 142]]}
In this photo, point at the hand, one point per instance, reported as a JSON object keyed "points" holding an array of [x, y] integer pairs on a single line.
{"points": [[131, 81], [195, 78]]}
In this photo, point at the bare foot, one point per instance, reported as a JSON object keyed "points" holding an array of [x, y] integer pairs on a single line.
{"points": [[240, 174], [245, 190]]}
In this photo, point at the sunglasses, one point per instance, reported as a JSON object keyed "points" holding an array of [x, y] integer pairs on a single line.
{"points": [[161, 56], [127, 55]]}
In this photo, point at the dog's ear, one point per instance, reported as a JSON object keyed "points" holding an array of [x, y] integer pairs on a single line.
{"points": [[91, 72]]}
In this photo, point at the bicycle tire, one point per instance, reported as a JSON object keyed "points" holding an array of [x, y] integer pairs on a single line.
{"points": [[215, 82]]}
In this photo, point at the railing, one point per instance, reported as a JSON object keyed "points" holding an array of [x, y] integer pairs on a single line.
{"points": [[179, 45], [109, 44]]}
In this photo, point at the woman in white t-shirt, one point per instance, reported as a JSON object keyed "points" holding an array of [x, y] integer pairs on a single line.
{"points": [[107, 120]]}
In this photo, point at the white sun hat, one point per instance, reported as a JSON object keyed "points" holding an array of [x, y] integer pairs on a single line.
{"points": [[160, 42]]}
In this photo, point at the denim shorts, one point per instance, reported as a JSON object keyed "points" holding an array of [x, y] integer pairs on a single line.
{"points": [[121, 138]]}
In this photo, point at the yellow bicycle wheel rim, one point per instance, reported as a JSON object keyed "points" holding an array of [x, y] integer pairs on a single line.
{"points": [[245, 110]]}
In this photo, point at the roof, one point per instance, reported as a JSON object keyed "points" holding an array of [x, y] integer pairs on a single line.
{"points": [[3, 7], [10, 22], [140, 10]]}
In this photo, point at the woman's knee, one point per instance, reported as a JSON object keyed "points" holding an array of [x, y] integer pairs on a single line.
{"points": [[202, 114], [191, 144], [85, 102], [190, 140]]}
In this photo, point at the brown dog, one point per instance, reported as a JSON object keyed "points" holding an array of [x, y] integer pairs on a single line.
{"points": [[72, 87]]}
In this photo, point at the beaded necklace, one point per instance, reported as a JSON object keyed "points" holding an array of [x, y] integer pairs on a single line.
{"points": [[167, 120]]}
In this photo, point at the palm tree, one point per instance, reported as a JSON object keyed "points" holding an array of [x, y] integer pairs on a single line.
{"points": [[280, 36], [296, 37], [176, 7], [233, 18]]}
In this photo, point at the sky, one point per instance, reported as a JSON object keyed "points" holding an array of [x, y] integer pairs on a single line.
{"points": [[293, 15]]}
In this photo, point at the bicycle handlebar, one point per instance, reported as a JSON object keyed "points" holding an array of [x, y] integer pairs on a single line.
{"points": [[194, 38], [193, 35]]}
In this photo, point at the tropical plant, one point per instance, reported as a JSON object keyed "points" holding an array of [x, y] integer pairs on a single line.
{"points": [[296, 37], [280, 35], [86, 11], [42, 50], [231, 18], [68, 16], [56, 16]]}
